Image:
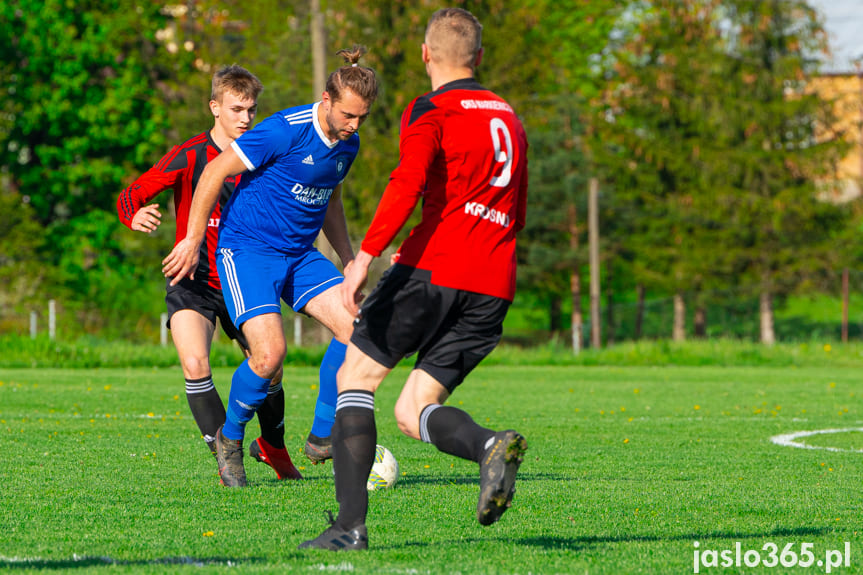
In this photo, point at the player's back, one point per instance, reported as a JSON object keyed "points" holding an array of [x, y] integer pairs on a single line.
{"points": [[475, 188]]}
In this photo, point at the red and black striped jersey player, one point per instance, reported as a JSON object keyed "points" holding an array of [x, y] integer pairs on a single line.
{"points": [[463, 151], [195, 302]]}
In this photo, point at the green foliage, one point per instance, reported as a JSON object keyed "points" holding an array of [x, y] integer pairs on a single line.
{"points": [[707, 133], [21, 274], [93, 352], [713, 141], [84, 108]]}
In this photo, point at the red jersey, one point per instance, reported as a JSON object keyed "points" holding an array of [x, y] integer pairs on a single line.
{"points": [[180, 169], [464, 151]]}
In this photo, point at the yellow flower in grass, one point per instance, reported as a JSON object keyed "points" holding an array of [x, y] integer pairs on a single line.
{"points": [[207, 534], [827, 348]]}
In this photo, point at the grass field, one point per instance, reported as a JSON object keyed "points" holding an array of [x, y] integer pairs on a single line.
{"points": [[102, 472]]}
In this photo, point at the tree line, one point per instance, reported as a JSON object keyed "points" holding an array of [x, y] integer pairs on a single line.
{"points": [[694, 116]]}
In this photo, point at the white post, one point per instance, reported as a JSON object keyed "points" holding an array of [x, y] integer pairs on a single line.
{"points": [[32, 325], [52, 319], [163, 329], [298, 330]]}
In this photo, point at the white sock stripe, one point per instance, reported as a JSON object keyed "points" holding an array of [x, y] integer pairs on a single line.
{"points": [[349, 399], [275, 389], [367, 405], [424, 417], [199, 386]]}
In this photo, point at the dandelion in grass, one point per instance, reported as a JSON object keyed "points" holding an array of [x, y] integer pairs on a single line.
{"points": [[207, 534], [827, 348]]}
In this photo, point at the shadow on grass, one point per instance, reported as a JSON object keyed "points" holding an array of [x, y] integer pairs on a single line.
{"points": [[580, 543], [577, 543], [85, 561], [474, 479]]}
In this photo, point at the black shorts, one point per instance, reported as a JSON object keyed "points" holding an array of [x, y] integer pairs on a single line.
{"points": [[204, 299], [451, 330]]}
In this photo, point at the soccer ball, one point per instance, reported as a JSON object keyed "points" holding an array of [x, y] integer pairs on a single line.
{"points": [[385, 470]]}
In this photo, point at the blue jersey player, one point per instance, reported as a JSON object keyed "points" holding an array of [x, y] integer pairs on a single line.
{"points": [[293, 164]]}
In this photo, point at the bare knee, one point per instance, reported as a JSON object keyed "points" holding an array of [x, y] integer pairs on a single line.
{"points": [[407, 418], [195, 366], [267, 362]]}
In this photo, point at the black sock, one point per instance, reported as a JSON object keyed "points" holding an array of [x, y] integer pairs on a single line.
{"points": [[206, 405], [453, 431], [355, 438], [271, 416]]}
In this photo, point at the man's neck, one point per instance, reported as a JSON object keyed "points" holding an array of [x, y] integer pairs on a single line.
{"points": [[441, 76], [222, 140]]}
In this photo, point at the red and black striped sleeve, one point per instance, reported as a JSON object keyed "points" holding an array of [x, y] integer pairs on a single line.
{"points": [[167, 173]]}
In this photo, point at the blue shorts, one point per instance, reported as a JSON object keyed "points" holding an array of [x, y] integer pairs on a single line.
{"points": [[253, 283]]}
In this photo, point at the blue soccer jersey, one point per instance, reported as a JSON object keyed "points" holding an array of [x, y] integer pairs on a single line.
{"points": [[293, 169]]}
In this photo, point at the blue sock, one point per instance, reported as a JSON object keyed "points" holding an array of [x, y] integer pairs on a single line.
{"points": [[248, 392], [325, 409]]}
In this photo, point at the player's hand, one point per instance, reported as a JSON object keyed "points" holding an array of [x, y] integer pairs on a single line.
{"points": [[352, 288], [147, 219], [182, 261]]}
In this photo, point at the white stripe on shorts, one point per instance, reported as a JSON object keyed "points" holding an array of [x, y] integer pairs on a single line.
{"points": [[233, 283], [323, 283]]}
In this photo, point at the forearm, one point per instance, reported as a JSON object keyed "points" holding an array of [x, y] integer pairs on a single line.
{"points": [[142, 190], [203, 202], [396, 206], [335, 228]]}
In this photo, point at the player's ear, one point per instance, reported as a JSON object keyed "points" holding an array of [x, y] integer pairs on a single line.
{"points": [[478, 58], [214, 108], [426, 55]]}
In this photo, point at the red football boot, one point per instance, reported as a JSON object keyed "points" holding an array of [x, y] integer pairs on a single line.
{"points": [[278, 459]]}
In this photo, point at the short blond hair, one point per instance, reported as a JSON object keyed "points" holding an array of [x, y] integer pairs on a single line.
{"points": [[237, 80], [454, 37]]}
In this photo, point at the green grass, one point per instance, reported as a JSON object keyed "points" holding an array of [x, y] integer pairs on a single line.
{"points": [[102, 472], [17, 351]]}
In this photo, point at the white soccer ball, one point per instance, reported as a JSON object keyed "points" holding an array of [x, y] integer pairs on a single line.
{"points": [[385, 470]]}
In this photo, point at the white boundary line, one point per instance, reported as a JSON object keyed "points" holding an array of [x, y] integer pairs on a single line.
{"points": [[790, 439]]}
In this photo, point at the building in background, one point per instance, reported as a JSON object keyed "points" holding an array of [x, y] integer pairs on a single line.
{"points": [[845, 89]]}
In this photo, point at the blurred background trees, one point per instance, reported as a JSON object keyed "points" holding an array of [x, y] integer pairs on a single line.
{"points": [[713, 154]]}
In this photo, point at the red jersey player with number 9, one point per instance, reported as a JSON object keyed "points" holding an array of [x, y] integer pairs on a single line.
{"points": [[463, 151]]}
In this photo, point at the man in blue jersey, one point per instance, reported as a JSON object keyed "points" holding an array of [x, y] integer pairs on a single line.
{"points": [[293, 164]]}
